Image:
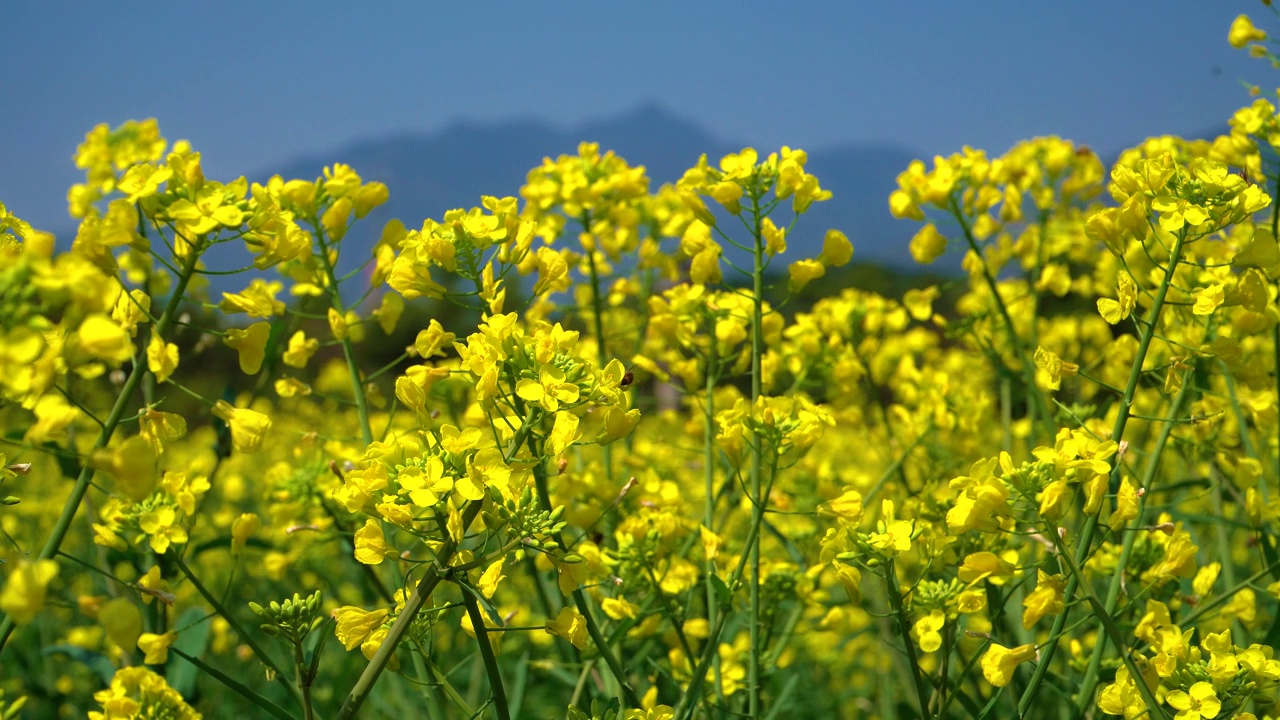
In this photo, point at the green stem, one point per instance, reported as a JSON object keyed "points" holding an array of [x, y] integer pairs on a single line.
{"points": [[364, 685], [72, 505], [579, 597], [303, 681], [348, 350], [277, 674], [711, 645], [1113, 632], [1090, 682], [904, 631], [709, 458], [1275, 330], [486, 654], [1147, 332], [1028, 368], [240, 688], [757, 354]]}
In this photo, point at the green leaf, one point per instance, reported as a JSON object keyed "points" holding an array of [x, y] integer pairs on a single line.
{"points": [[484, 602], [269, 707], [723, 596], [97, 662], [193, 640]]}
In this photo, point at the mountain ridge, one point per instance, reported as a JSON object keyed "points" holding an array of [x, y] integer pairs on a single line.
{"points": [[453, 166]]}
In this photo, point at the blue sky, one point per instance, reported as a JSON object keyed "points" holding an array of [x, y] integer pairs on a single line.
{"points": [[252, 84]]}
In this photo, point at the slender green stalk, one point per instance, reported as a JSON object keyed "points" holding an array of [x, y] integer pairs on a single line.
{"points": [[123, 400], [486, 654], [1275, 330], [1090, 527], [711, 644], [1028, 368], [753, 548], [580, 597], [904, 631], [1090, 681], [364, 685], [303, 681], [348, 350], [276, 673], [710, 454], [581, 685], [238, 687], [1113, 631]]}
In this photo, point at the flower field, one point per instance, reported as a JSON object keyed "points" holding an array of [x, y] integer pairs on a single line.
{"points": [[596, 449]]}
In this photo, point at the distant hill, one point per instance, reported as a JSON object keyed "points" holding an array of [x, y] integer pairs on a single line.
{"points": [[433, 172]]}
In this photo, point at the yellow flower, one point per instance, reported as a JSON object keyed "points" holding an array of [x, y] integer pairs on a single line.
{"points": [[250, 345], [1046, 599], [371, 546], [258, 300], [1243, 32], [300, 350], [847, 506], [618, 423], [802, 272], [1201, 701], [389, 312], [490, 578], [1113, 311], [1055, 367], [156, 647], [837, 251], [162, 525], [122, 621], [158, 428], [1122, 697], [243, 528], [136, 692], [425, 484], [927, 630], [999, 662], [927, 245], [895, 535], [850, 579], [213, 207], [775, 238], [370, 646], [903, 206], [144, 180], [133, 464], [981, 565], [105, 339], [355, 625], [553, 272], [1126, 505], [487, 467], [248, 427], [433, 340], [920, 302], [549, 390], [619, 609], [337, 324], [23, 595], [162, 358], [704, 268], [571, 626], [564, 432], [1208, 299]]}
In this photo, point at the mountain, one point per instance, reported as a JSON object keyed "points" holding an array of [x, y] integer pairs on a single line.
{"points": [[430, 173]]}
